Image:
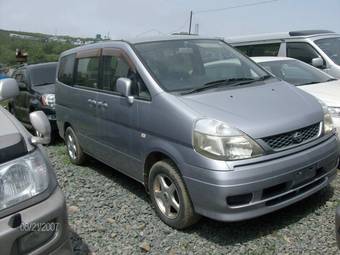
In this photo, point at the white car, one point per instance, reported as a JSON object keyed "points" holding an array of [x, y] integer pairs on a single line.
{"points": [[308, 78]]}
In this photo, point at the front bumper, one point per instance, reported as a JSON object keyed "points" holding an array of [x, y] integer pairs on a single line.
{"points": [[52, 210], [256, 189]]}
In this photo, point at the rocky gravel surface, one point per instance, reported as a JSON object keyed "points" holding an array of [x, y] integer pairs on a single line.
{"points": [[110, 213]]}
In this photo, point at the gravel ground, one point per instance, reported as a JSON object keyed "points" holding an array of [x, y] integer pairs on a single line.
{"points": [[110, 213]]}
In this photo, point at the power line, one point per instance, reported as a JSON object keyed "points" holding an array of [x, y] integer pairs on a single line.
{"points": [[235, 6], [228, 8]]}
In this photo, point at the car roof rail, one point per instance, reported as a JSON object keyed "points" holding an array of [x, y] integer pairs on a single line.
{"points": [[309, 32]]}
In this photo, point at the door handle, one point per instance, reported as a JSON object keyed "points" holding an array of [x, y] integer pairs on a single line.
{"points": [[102, 104], [91, 102]]}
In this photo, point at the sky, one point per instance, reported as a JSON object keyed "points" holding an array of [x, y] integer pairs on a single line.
{"points": [[131, 18]]}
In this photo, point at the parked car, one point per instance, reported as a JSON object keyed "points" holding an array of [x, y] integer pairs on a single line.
{"points": [[320, 48], [307, 78], [37, 92], [33, 218], [205, 129]]}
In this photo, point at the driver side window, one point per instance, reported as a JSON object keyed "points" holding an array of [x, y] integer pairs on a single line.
{"points": [[116, 66]]}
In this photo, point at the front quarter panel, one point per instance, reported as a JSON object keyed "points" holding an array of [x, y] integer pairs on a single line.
{"points": [[167, 124]]}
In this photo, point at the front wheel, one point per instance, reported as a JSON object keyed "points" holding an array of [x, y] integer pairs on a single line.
{"points": [[74, 151], [170, 197]]}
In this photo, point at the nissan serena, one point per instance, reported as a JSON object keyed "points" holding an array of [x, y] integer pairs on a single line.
{"points": [[205, 129]]}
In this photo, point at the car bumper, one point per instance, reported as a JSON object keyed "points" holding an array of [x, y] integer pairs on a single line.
{"points": [[257, 189], [52, 210]]}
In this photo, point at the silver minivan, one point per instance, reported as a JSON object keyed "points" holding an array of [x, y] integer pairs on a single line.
{"points": [[320, 48], [205, 129]]}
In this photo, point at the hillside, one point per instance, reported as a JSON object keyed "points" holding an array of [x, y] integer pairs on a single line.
{"points": [[39, 47]]}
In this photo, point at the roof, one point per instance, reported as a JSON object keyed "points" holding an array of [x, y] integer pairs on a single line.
{"points": [[136, 40], [270, 59], [280, 36], [33, 66]]}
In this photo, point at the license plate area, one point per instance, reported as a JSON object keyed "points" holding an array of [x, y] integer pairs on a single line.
{"points": [[305, 175]]}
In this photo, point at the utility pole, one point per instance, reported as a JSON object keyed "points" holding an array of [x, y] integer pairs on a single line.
{"points": [[190, 22]]}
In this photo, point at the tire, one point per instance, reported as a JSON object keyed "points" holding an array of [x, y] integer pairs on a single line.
{"points": [[74, 150], [170, 197]]}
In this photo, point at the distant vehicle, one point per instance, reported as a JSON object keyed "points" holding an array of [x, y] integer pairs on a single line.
{"points": [[37, 92], [307, 78], [33, 217], [320, 48], [204, 128]]}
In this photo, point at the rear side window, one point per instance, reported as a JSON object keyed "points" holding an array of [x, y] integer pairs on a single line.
{"points": [[66, 67], [268, 49], [87, 72], [302, 51]]}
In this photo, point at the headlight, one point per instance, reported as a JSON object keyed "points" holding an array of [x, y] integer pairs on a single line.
{"points": [[48, 100], [334, 111], [22, 179], [217, 140], [327, 119]]}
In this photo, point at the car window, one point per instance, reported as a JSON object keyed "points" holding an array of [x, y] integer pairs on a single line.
{"points": [[331, 46], [295, 72], [87, 72], [66, 69], [180, 65], [115, 67], [302, 51], [268, 49], [43, 75]]}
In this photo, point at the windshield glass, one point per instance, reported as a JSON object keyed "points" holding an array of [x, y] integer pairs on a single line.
{"points": [[331, 46], [295, 72], [43, 75], [181, 65]]}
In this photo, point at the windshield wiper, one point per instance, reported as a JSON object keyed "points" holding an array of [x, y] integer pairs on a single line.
{"points": [[229, 82], [43, 84]]}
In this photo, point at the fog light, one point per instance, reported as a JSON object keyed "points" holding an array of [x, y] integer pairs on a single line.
{"points": [[34, 240], [239, 199]]}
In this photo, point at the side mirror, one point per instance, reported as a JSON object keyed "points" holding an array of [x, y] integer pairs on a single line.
{"points": [[124, 88], [22, 86], [41, 124], [8, 88], [317, 62]]}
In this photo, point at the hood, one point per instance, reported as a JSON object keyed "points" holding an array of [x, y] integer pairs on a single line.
{"points": [[46, 89], [265, 109], [12, 141], [328, 92]]}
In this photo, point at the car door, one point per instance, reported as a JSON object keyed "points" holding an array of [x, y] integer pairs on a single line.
{"points": [[21, 102], [118, 125], [83, 98]]}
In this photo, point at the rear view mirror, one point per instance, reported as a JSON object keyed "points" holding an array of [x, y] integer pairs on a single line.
{"points": [[317, 62], [8, 88], [41, 124], [124, 88]]}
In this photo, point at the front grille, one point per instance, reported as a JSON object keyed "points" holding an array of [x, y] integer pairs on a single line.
{"points": [[282, 141]]}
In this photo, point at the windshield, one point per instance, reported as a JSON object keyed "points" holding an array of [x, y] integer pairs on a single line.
{"points": [[295, 72], [331, 46], [43, 75], [181, 65]]}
